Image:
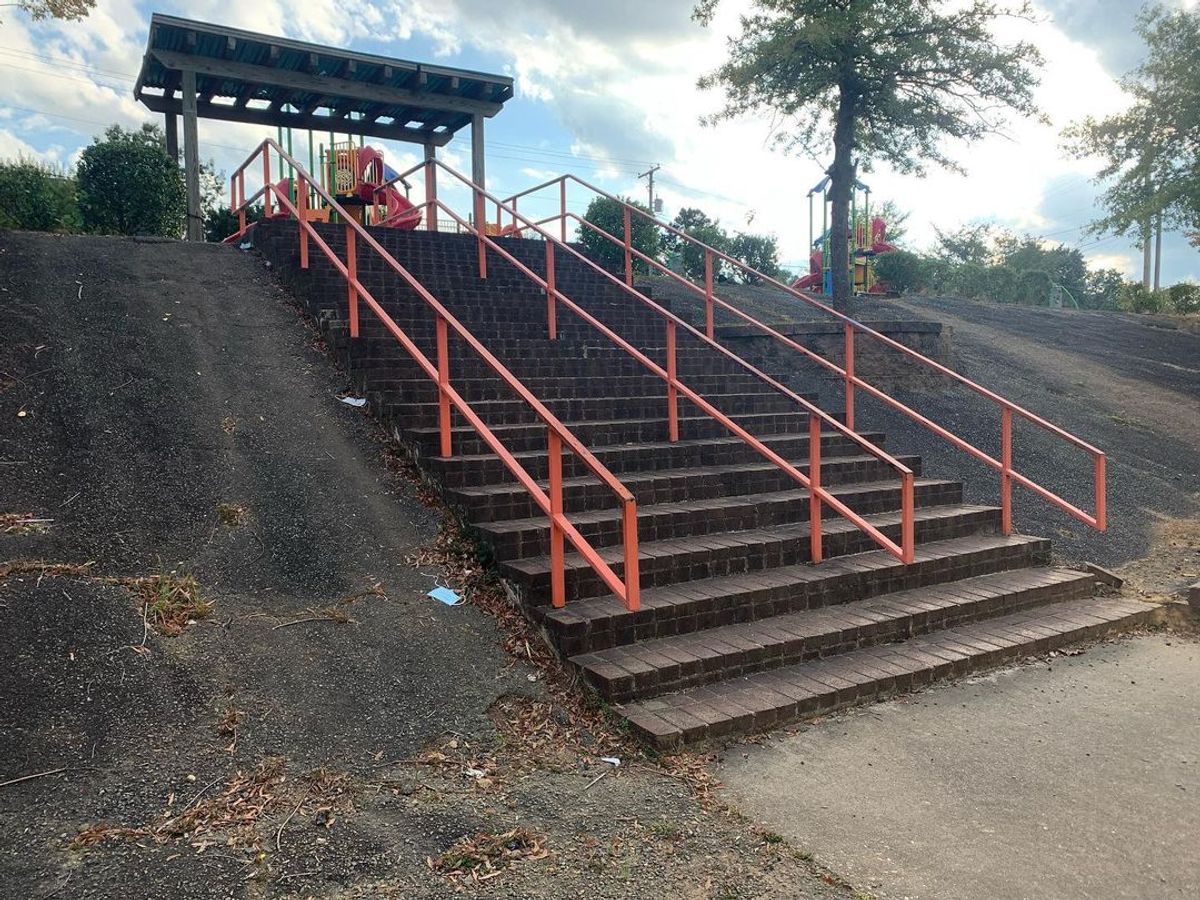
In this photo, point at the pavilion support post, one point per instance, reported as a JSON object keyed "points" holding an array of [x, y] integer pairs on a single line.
{"points": [[191, 158], [171, 126], [477, 169], [431, 186]]}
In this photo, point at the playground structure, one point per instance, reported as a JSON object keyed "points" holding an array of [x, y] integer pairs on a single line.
{"points": [[868, 239], [353, 174]]}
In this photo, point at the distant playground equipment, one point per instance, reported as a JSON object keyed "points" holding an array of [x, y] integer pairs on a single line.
{"points": [[868, 239], [359, 180]]}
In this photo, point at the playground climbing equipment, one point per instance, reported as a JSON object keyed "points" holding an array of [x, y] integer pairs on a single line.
{"points": [[867, 240]]}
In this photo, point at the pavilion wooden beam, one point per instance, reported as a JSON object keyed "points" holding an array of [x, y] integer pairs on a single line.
{"points": [[324, 84], [226, 113]]}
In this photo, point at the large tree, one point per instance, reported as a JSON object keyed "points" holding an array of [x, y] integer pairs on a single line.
{"points": [[1150, 153], [884, 80], [69, 10]]}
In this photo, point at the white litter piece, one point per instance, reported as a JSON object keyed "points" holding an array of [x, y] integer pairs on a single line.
{"points": [[613, 761], [354, 401]]}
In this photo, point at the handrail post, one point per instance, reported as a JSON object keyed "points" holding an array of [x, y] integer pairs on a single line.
{"points": [[709, 322], [443, 370], [266, 152], [1101, 491], [908, 525], [352, 279], [1006, 470], [551, 293], [628, 248], [514, 218], [814, 487], [849, 366], [633, 601], [672, 381], [562, 206], [241, 201], [558, 574], [302, 215], [431, 194], [233, 204], [480, 229]]}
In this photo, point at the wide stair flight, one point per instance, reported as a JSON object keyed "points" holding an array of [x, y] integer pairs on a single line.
{"points": [[737, 629]]}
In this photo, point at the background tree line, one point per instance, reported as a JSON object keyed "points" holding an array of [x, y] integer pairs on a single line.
{"points": [[125, 183], [758, 251]]}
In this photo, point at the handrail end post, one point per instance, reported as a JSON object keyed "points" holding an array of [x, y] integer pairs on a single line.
{"points": [[633, 596], [908, 525], [1101, 492]]}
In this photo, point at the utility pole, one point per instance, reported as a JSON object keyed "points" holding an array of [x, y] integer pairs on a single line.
{"points": [[650, 186]]}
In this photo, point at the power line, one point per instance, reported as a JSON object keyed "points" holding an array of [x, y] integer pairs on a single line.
{"points": [[63, 61]]}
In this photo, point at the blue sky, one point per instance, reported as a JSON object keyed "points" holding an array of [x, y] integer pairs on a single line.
{"points": [[604, 90]]}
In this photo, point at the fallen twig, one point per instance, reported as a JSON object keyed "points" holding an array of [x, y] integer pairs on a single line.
{"points": [[279, 833], [31, 777], [593, 782]]}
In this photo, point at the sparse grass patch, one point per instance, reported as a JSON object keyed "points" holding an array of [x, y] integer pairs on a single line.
{"points": [[43, 569], [485, 856], [23, 523], [231, 515], [666, 829], [169, 602]]}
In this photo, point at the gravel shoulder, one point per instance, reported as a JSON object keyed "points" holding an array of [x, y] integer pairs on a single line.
{"points": [[328, 730]]}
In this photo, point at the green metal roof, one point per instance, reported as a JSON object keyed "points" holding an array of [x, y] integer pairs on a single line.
{"points": [[242, 76]]}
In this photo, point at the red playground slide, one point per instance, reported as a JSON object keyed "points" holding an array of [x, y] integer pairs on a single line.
{"points": [[373, 171]]}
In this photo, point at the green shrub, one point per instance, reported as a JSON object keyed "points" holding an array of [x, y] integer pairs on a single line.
{"points": [[967, 280], [1134, 297], [1185, 297], [902, 271], [221, 222], [1033, 287], [608, 215], [36, 197], [129, 185], [1001, 284]]}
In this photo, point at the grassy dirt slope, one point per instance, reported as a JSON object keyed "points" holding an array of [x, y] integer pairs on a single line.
{"points": [[324, 729]]}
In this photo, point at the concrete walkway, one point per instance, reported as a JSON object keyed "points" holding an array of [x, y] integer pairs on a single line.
{"points": [[1077, 779]]}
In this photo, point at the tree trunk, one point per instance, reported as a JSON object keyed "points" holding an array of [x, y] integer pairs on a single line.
{"points": [[840, 191]]}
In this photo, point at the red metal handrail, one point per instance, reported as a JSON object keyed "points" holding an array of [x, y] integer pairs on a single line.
{"points": [[558, 435], [904, 550], [1008, 474]]}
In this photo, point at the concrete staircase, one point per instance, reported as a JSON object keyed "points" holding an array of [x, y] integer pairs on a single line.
{"points": [[738, 631]]}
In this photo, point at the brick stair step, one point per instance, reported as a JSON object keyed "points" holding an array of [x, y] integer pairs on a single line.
{"points": [[508, 500], [648, 668], [756, 550], [475, 389], [767, 699], [517, 538], [582, 409], [614, 431], [597, 623], [475, 470]]}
